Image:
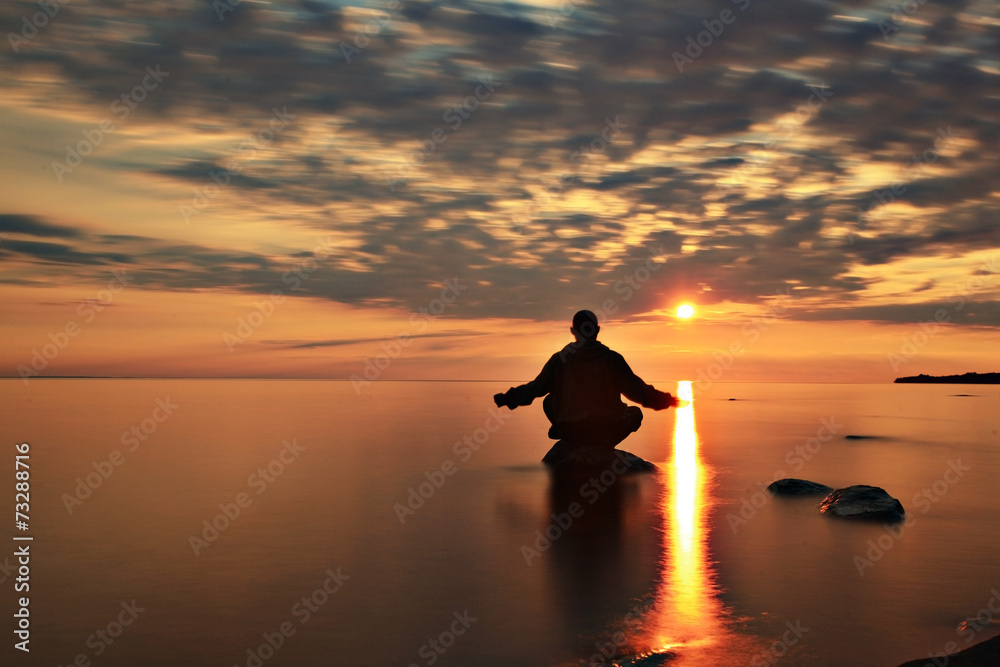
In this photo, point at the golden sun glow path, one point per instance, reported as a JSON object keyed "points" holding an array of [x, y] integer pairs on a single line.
{"points": [[687, 611]]}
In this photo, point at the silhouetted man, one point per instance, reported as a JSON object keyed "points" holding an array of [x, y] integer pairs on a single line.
{"points": [[585, 382]]}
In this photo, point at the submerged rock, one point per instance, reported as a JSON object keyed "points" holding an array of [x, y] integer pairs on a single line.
{"points": [[863, 502], [790, 486], [563, 455], [654, 659]]}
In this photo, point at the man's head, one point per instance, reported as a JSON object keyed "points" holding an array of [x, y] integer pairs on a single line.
{"points": [[585, 325]]}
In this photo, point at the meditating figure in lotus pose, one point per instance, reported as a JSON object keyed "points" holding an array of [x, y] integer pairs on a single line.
{"points": [[583, 384]]}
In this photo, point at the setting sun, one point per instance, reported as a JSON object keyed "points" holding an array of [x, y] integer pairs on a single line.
{"points": [[685, 311]]}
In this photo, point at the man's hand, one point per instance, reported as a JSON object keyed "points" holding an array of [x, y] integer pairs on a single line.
{"points": [[500, 400], [667, 400]]}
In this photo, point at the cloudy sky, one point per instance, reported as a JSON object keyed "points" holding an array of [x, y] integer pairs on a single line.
{"points": [[310, 189]]}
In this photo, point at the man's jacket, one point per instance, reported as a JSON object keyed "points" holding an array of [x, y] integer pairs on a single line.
{"points": [[586, 381]]}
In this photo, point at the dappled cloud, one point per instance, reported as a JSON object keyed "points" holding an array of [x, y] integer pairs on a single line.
{"points": [[539, 152]]}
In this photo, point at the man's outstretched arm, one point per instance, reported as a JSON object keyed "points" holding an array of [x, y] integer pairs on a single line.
{"points": [[646, 395], [526, 393]]}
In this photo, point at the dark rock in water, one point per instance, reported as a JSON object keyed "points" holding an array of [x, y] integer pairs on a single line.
{"points": [[567, 456], [863, 437], [653, 660], [791, 486], [863, 502], [732, 399], [983, 653]]}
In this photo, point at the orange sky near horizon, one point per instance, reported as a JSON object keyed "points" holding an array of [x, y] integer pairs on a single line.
{"points": [[142, 333]]}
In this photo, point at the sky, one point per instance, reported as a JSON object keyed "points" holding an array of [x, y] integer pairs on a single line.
{"points": [[399, 190]]}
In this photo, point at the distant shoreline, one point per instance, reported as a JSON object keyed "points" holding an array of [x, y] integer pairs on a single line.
{"points": [[965, 378]]}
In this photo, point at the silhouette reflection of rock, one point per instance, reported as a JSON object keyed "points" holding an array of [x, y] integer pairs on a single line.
{"points": [[603, 558]]}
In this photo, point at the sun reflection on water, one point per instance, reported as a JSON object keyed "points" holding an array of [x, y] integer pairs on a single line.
{"points": [[687, 610]]}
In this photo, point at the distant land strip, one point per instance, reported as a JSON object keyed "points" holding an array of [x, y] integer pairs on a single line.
{"points": [[966, 378]]}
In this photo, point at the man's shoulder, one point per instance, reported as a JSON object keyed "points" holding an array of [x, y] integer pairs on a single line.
{"points": [[559, 357], [607, 351], [617, 361]]}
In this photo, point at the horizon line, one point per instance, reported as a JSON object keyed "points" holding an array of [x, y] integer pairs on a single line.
{"points": [[312, 379]]}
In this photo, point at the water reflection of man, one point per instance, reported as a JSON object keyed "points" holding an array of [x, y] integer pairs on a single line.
{"points": [[583, 384]]}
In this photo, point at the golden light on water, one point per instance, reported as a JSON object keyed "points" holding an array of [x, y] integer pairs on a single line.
{"points": [[685, 310], [684, 510], [687, 610]]}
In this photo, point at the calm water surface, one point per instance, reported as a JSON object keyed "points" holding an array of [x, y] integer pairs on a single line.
{"points": [[444, 541]]}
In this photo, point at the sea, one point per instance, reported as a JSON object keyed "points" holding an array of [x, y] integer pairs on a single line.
{"points": [[254, 523]]}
